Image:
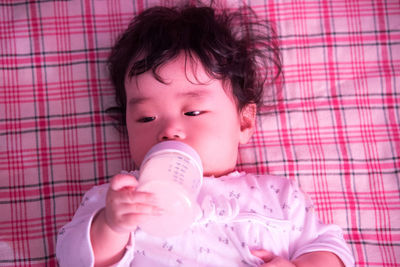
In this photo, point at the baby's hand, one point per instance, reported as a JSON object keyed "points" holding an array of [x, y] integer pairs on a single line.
{"points": [[271, 260], [126, 207]]}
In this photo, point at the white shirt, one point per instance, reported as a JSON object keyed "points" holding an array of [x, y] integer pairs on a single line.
{"points": [[241, 212]]}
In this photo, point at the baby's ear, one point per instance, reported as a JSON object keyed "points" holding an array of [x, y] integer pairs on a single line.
{"points": [[247, 122]]}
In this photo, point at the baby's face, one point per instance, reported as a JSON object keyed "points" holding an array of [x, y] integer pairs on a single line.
{"points": [[191, 107]]}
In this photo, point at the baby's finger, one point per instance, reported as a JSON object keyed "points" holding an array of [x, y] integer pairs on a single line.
{"points": [[142, 197], [131, 220], [120, 181], [263, 254], [278, 262], [123, 217], [139, 209], [130, 196]]}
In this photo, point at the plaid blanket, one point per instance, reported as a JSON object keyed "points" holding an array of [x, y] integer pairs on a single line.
{"points": [[336, 130]]}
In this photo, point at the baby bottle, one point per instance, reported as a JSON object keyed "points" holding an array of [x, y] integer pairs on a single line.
{"points": [[172, 171]]}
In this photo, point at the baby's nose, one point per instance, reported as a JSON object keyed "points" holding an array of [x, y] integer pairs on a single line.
{"points": [[171, 131]]}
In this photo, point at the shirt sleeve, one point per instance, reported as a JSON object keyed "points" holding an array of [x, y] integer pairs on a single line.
{"points": [[73, 242], [308, 234]]}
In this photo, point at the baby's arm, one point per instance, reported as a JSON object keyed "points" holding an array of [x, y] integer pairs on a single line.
{"points": [[319, 258], [108, 245], [309, 241], [111, 228]]}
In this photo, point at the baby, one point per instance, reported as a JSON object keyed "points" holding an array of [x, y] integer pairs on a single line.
{"points": [[197, 76]]}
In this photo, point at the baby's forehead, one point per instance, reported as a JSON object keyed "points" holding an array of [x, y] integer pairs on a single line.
{"points": [[187, 63], [181, 69], [176, 85]]}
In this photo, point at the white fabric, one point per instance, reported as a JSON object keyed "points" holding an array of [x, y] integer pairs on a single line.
{"points": [[240, 212]]}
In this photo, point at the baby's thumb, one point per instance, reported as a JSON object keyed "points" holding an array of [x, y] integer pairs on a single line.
{"points": [[120, 181], [263, 254]]}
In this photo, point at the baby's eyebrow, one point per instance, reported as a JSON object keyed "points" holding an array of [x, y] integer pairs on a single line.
{"points": [[194, 94], [137, 100], [188, 94]]}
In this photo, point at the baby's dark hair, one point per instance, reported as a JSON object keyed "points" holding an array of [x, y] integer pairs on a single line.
{"points": [[232, 46]]}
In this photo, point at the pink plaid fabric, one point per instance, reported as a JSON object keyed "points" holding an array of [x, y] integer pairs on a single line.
{"points": [[336, 130]]}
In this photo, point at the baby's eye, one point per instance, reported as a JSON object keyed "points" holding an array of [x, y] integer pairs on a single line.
{"points": [[193, 113], [146, 119]]}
